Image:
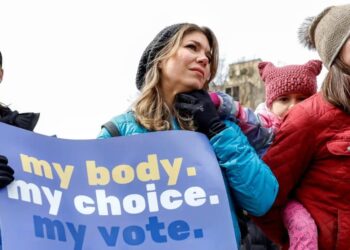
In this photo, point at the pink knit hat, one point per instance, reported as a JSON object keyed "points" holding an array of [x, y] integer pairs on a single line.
{"points": [[289, 79]]}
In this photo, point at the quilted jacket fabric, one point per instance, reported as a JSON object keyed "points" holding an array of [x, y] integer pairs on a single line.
{"points": [[310, 157]]}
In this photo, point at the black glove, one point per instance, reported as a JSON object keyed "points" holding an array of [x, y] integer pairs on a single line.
{"points": [[6, 172], [22, 120], [199, 105], [8, 116], [27, 120]]}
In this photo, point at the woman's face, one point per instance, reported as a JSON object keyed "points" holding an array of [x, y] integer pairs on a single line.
{"points": [[345, 53], [189, 68]]}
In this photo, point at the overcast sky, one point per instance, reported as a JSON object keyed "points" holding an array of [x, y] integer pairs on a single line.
{"points": [[75, 61]]}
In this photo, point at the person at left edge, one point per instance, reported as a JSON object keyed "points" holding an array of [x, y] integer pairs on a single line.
{"points": [[22, 120], [173, 76]]}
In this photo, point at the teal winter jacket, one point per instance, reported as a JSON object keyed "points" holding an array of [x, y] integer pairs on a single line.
{"points": [[253, 186]]}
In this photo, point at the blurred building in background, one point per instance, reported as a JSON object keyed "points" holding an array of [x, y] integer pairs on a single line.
{"points": [[243, 83]]}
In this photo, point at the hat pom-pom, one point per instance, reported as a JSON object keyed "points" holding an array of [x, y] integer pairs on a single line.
{"points": [[304, 33]]}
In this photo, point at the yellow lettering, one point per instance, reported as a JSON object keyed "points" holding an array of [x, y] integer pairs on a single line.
{"points": [[30, 163], [172, 170], [97, 175], [123, 174], [64, 174], [148, 171]]}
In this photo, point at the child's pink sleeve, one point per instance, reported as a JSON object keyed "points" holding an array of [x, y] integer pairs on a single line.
{"points": [[301, 227], [267, 118], [215, 99]]}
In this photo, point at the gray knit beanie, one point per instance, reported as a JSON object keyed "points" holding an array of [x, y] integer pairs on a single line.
{"points": [[150, 53], [327, 32]]}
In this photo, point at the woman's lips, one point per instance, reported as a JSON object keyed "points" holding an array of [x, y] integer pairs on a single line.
{"points": [[200, 71]]}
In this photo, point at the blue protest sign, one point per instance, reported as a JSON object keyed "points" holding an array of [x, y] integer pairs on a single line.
{"points": [[160, 190]]}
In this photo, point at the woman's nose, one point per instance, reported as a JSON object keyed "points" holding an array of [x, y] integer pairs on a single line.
{"points": [[203, 59]]}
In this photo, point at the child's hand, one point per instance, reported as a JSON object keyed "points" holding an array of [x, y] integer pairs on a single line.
{"points": [[224, 104], [215, 99]]}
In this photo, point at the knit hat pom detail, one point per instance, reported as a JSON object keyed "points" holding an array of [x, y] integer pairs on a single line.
{"points": [[304, 33]]}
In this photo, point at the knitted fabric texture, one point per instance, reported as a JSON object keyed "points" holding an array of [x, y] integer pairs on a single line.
{"points": [[290, 79], [151, 51], [327, 32], [302, 229]]}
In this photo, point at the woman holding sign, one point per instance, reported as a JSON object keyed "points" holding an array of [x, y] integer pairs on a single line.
{"points": [[173, 76]]}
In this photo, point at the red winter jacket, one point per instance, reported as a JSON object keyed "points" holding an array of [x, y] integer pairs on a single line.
{"points": [[310, 157]]}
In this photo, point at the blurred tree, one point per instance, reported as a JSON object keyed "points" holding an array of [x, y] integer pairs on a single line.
{"points": [[222, 73]]}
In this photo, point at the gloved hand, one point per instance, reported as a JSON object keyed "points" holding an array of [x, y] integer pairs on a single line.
{"points": [[6, 172], [22, 120], [225, 105], [199, 105], [27, 120], [8, 116]]}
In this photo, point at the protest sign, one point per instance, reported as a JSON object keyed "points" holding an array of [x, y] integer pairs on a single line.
{"points": [[161, 190]]}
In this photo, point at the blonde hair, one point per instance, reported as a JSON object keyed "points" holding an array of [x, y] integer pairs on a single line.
{"points": [[151, 110], [336, 86]]}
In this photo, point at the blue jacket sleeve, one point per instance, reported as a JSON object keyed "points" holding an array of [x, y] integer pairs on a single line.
{"points": [[103, 134], [253, 185]]}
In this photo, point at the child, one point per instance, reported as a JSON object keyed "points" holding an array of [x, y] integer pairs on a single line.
{"points": [[285, 87]]}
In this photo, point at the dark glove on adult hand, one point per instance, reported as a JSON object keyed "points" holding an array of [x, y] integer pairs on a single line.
{"points": [[9, 117], [27, 120], [199, 105], [22, 120], [6, 172]]}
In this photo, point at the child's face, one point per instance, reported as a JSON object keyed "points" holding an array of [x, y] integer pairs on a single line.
{"points": [[282, 104]]}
